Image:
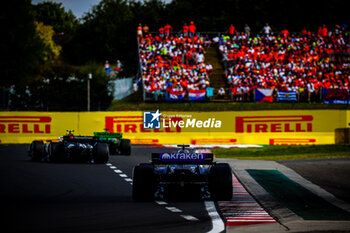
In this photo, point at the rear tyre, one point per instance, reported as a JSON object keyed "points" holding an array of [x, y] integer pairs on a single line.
{"points": [[37, 150], [56, 152], [101, 153], [220, 182], [113, 149], [125, 146], [143, 187]]}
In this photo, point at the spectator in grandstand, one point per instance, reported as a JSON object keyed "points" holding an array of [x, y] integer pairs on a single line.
{"points": [[107, 66], [168, 29], [319, 31], [118, 66], [200, 57], [247, 30], [161, 31], [216, 40], [221, 93], [267, 29], [231, 30], [324, 30], [178, 87], [147, 87], [139, 31], [343, 27], [285, 33], [207, 41], [185, 30], [310, 90], [145, 29], [337, 30], [192, 29], [303, 32], [209, 68], [238, 93]]}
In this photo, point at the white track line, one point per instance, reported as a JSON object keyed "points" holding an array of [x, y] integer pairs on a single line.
{"points": [[173, 209], [161, 203], [218, 224], [120, 173], [189, 217]]}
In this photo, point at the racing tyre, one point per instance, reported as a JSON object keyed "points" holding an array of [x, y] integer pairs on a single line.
{"points": [[125, 147], [37, 150], [220, 182], [56, 152], [102, 153], [113, 149], [143, 187]]}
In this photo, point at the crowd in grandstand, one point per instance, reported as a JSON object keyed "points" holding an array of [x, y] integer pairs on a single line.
{"points": [[173, 63], [300, 62]]}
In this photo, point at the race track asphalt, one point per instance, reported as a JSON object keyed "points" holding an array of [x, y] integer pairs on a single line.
{"points": [[65, 197], [331, 174], [47, 197]]}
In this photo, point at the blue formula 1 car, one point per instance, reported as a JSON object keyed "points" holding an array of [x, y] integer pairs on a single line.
{"points": [[182, 170]]}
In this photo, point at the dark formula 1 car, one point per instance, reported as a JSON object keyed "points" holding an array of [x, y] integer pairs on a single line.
{"points": [[171, 172], [70, 148], [117, 144]]}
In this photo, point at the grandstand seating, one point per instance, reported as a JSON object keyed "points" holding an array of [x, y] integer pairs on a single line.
{"points": [[299, 63], [302, 63], [173, 64]]}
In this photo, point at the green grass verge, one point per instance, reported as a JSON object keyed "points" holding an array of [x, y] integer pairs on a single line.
{"points": [[133, 102], [285, 152]]}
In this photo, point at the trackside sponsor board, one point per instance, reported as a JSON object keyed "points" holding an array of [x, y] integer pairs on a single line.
{"points": [[300, 127]]}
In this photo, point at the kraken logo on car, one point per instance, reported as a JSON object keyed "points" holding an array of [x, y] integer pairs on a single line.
{"points": [[165, 156]]}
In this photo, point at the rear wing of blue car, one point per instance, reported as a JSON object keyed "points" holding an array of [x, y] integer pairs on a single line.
{"points": [[182, 158]]}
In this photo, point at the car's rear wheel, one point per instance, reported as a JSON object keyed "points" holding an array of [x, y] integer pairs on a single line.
{"points": [[125, 146], [37, 150], [56, 152], [101, 154], [220, 182], [113, 149], [143, 187]]}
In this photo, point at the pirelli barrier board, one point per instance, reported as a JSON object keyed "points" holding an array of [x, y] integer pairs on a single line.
{"points": [[302, 127]]}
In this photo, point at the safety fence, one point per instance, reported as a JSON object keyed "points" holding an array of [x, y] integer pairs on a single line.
{"points": [[258, 95]]}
